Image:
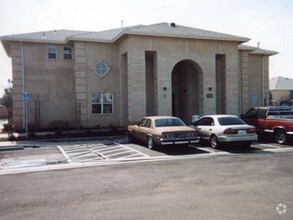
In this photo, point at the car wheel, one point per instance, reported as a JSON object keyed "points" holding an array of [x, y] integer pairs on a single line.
{"points": [[214, 141], [151, 143], [280, 136]]}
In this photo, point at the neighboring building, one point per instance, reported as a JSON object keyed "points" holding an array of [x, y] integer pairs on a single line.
{"points": [[115, 77], [281, 89]]}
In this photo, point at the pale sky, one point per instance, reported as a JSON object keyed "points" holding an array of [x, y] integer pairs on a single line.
{"points": [[269, 22]]}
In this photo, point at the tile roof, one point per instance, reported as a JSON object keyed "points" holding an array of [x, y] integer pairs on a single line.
{"points": [[161, 29], [281, 83]]}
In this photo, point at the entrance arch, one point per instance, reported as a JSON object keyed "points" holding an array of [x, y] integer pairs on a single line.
{"points": [[187, 90]]}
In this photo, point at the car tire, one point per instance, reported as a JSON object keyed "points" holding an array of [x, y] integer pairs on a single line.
{"points": [[214, 142], [151, 143], [280, 136]]}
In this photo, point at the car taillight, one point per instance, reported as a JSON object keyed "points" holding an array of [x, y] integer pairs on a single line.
{"points": [[231, 131], [250, 131]]}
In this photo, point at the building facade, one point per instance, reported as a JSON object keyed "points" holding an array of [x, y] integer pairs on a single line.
{"points": [[281, 89], [115, 77]]}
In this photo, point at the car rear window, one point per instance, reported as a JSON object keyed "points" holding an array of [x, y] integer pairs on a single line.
{"points": [[167, 122], [230, 121]]}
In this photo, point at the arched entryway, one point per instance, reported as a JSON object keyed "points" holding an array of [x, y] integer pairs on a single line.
{"points": [[187, 90]]}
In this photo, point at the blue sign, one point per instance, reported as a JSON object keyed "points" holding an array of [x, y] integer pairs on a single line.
{"points": [[254, 97], [26, 97]]}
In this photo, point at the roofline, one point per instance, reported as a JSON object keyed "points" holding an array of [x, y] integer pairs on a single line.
{"points": [[74, 38], [185, 37], [257, 50]]}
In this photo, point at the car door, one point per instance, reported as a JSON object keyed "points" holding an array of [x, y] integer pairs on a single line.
{"points": [[145, 129], [205, 127], [138, 132]]}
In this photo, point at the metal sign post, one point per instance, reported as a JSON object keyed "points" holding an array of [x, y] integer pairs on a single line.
{"points": [[26, 98]]}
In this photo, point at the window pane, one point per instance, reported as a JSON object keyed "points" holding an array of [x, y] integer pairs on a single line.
{"points": [[102, 103], [52, 55], [67, 53], [107, 108], [107, 98], [96, 97], [52, 52], [96, 108]]}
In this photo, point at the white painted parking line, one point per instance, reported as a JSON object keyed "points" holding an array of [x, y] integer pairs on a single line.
{"points": [[269, 145], [94, 152], [278, 150], [206, 149], [111, 150], [115, 154], [140, 153], [209, 150], [64, 154]]}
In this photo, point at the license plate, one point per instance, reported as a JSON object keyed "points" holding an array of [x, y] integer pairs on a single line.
{"points": [[180, 135], [241, 132]]}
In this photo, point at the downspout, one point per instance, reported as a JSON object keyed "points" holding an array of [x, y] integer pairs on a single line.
{"points": [[23, 84]]}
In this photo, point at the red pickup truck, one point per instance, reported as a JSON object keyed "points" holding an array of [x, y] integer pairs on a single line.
{"points": [[277, 120]]}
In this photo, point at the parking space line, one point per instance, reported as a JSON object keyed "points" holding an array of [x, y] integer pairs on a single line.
{"points": [[111, 150], [131, 156], [96, 152], [269, 145], [145, 155], [64, 154], [209, 150], [121, 152]]}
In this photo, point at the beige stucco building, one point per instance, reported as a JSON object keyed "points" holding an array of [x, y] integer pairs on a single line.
{"points": [[281, 89], [115, 77]]}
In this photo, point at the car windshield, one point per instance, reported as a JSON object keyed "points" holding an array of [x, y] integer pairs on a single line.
{"points": [[230, 121], [167, 122]]}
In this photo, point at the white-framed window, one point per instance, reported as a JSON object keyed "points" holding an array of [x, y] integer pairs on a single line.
{"points": [[102, 103], [102, 69], [52, 52], [67, 51]]}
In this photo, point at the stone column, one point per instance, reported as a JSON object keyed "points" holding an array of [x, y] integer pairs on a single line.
{"points": [[17, 96], [244, 80], [232, 84], [209, 82], [136, 85], [81, 95], [266, 88], [164, 85]]}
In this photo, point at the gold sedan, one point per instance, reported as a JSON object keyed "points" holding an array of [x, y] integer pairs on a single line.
{"points": [[162, 130]]}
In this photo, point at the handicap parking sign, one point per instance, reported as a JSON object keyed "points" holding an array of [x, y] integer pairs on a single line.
{"points": [[26, 97]]}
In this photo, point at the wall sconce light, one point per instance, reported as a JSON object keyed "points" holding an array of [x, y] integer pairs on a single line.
{"points": [[165, 88]]}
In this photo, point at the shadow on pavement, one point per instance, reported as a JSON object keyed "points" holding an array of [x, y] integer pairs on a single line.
{"points": [[180, 150]]}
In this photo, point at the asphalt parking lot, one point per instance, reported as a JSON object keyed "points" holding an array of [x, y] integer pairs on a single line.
{"points": [[256, 184], [21, 155]]}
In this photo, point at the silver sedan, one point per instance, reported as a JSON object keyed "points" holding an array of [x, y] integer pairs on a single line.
{"points": [[220, 129]]}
